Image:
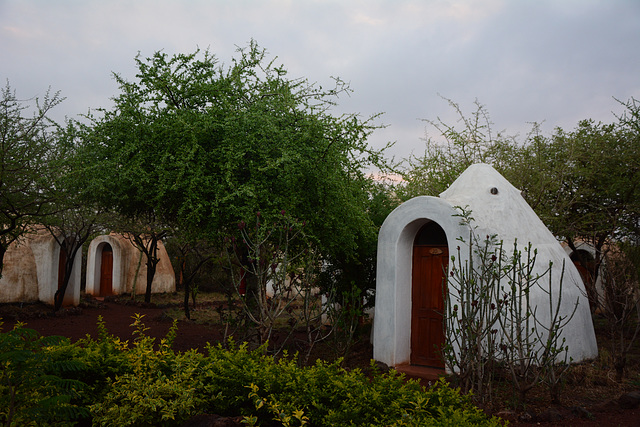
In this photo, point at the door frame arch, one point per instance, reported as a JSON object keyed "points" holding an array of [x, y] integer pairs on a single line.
{"points": [[392, 320], [94, 263]]}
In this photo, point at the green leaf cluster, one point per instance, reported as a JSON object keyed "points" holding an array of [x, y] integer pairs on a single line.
{"points": [[36, 388]]}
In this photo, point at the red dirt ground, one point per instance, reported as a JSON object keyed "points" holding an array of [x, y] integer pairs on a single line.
{"points": [[76, 323]]}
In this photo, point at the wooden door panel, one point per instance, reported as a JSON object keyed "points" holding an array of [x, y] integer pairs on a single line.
{"points": [[106, 273], [427, 306]]}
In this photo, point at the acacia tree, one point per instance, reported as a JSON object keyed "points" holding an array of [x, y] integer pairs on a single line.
{"points": [[25, 145], [193, 255], [204, 147], [584, 184], [472, 139], [146, 235], [598, 186], [70, 228]]}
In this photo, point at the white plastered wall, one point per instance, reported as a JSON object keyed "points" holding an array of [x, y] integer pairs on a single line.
{"points": [[19, 281], [46, 252], [392, 321]]}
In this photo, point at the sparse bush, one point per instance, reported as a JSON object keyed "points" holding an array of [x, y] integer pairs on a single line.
{"points": [[491, 322]]}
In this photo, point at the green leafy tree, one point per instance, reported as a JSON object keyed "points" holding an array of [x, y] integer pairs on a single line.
{"points": [[25, 145], [203, 147], [584, 184]]}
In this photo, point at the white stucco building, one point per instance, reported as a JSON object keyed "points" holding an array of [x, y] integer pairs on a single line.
{"points": [[417, 240]]}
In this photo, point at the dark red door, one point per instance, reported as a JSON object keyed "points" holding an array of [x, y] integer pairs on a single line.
{"points": [[62, 263], [106, 271], [427, 306]]}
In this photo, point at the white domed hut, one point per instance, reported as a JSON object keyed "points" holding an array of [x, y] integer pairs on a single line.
{"points": [[416, 243]]}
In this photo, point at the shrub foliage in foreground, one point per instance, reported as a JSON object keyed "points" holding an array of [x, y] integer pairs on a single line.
{"points": [[144, 383]]}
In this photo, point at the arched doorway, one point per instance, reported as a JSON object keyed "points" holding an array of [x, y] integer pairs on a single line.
{"points": [[106, 270], [430, 260]]}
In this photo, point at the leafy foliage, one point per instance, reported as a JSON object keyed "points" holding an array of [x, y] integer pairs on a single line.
{"points": [[474, 141], [147, 383], [205, 147], [35, 388], [25, 148]]}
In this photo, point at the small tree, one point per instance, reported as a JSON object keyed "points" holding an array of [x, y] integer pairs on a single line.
{"points": [[147, 241], [619, 302], [192, 255], [70, 229], [25, 147], [272, 267], [470, 325], [75, 219]]}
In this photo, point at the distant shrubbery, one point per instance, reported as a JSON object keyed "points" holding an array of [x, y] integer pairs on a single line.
{"points": [[106, 381]]}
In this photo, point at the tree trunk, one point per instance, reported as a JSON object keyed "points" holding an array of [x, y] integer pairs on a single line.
{"points": [[186, 301], [152, 264], [151, 272], [58, 298]]}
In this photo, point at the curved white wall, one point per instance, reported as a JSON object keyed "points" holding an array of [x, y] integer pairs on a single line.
{"points": [[31, 270]]}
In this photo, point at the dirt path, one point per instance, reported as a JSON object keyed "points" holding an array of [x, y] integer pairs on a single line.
{"points": [[76, 323]]}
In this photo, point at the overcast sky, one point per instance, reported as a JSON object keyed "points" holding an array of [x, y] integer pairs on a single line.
{"points": [[557, 61]]}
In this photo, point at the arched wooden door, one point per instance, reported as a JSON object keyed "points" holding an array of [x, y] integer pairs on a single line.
{"points": [[106, 271], [430, 260]]}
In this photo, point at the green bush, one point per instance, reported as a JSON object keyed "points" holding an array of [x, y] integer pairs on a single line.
{"points": [[35, 388], [282, 393], [145, 383], [160, 387]]}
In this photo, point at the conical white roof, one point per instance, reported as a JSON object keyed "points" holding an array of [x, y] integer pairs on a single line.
{"points": [[505, 213], [499, 209]]}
